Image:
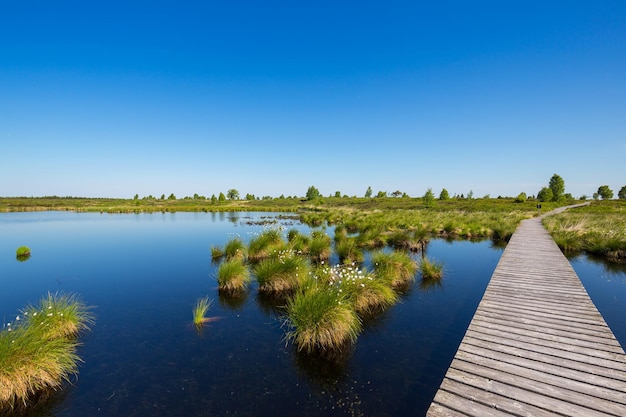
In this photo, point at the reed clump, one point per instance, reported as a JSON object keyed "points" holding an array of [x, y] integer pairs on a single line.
{"points": [[38, 349]]}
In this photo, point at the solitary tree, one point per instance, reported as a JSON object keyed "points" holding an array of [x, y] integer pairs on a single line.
{"points": [[232, 194], [213, 198], [397, 193], [557, 185], [521, 197], [429, 198], [381, 194], [312, 193], [605, 192], [221, 197], [444, 195], [337, 194], [622, 193], [368, 193], [136, 197], [171, 197]]}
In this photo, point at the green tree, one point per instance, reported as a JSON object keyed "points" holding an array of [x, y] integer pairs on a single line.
{"points": [[605, 192], [136, 197], [557, 185], [444, 195], [213, 198], [338, 194], [162, 196], [521, 197], [622, 193], [250, 197], [381, 194], [545, 194], [429, 198], [171, 197], [368, 193], [312, 193], [221, 197], [232, 194], [470, 195]]}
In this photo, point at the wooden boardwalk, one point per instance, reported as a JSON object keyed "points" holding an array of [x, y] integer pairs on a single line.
{"points": [[537, 346]]}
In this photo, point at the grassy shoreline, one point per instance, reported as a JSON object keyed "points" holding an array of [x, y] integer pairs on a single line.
{"points": [[384, 219]]}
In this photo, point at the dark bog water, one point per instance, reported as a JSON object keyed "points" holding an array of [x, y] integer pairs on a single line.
{"points": [[143, 357]]}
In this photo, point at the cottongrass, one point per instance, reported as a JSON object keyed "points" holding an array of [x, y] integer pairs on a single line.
{"points": [[233, 275], [263, 245], [59, 315], [321, 318], [284, 271], [235, 249], [38, 349], [367, 293]]}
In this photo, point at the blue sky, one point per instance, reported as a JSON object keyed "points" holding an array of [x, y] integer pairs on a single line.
{"points": [[113, 98]]}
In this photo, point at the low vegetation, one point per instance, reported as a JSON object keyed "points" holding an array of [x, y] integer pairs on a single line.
{"points": [[233, 276], [199, 312], [598, 229], [38, 350], [430, 270], [322, 318]]}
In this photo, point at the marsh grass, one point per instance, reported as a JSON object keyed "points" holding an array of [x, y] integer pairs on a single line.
{"points": [[397, 268], [431, 270], [59, 316], [598, 229], [349, 251], [199, 311], [38, 349], [320, 247], [235, 249], [367, 293], [233, 275], [321, 318], [283, 272], [216, 252], [261, 246]]}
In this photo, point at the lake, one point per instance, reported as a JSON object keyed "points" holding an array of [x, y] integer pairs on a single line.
{"points": [[144, 272]]}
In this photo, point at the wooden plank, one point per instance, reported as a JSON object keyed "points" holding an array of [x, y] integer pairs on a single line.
{"points": [[537, 346]]}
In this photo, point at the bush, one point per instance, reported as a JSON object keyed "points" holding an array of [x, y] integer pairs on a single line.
{"points": [[233, 275]]}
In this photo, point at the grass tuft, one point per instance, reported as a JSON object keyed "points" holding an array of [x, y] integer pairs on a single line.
{"points": [[233, 275], [321, 319], [431, 269], [396, 268], [200, 310], [283, 272], [38, 349]]}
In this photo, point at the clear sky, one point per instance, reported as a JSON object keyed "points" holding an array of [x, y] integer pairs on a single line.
{"points": [[112, 98]]}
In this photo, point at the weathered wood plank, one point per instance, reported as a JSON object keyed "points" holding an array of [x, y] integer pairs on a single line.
{"points": [[537, 346]]}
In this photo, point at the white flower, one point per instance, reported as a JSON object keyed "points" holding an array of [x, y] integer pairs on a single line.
{"points": [[17, 318]]}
